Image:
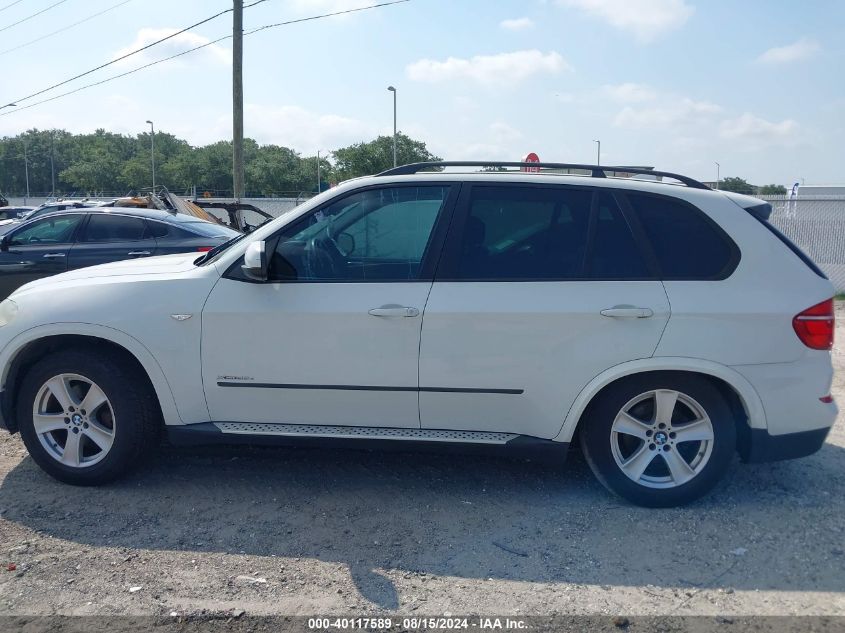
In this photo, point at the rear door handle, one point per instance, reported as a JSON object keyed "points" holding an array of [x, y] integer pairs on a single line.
{"points": [[138, 253], [53, 255], [627, 312], [394, 311]]}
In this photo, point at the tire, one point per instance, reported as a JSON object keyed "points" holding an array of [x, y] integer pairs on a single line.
{"points": [[106, 442], [649, 464]]}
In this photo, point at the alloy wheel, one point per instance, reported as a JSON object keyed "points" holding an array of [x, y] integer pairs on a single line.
{"points": [[664, 423], [74, 420]]}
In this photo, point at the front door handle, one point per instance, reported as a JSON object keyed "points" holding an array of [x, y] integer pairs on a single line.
{"points": [[627, 312], [53, 255], [394, 310], [138, 253]]}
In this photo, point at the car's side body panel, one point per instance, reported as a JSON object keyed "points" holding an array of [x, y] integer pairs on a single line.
{"points": [[545, 340], [136, 300]]}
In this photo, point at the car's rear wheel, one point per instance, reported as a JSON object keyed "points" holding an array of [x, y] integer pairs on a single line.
{"points": [[660, 439], [87, 417]]}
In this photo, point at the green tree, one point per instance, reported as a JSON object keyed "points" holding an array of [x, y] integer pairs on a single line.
{"points": [[363, 159], [737, 185], [772, 190]]}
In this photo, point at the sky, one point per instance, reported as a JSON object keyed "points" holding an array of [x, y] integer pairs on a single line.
{"points": [[677, 84]]}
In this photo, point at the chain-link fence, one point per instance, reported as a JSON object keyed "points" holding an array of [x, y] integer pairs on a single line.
{"points": [[817, 225]]}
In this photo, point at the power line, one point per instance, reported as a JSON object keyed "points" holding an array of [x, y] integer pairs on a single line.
{"points": [[196, 48], [129, 54], [325, 15], [6, 28], [9, 6], [113, 77], [66, 28]]}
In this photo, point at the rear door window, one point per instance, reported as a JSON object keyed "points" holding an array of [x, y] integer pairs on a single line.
{"points": [[686, 244], [530, 233], [103, 227]]}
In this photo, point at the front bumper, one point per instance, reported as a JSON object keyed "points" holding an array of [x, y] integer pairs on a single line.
{"points": [[763, 447]]}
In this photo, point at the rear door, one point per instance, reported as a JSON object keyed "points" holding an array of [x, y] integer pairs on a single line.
{"points": [[540, 288], [111, 237], [37, 249]]}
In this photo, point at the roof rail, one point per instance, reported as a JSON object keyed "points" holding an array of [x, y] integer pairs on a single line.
{"points": [[596, 171]]}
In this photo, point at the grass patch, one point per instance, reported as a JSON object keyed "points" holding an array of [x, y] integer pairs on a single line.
{"points": [[840, 296]]}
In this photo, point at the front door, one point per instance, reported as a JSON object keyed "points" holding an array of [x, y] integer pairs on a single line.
{"points": [[38, 249], [333, 337], [540, 289]]}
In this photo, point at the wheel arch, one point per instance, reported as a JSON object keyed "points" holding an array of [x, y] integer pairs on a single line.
{"points": [[737, 391], [32, 345]]}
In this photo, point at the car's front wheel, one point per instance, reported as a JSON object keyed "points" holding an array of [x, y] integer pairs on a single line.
{"points": [[660, 439], [87, 417]]}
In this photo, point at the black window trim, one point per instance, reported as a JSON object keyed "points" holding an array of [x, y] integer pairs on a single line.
{"points": [[451, 250], [431, 255], [733, 258]]}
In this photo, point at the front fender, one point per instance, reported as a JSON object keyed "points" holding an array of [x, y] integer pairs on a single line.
{"points": [[744, 389], [164, 393]]}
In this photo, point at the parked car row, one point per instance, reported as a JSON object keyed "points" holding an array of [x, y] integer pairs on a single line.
{"points": [[81, 236]]}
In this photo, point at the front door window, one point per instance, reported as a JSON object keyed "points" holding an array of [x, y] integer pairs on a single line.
{"points": [[374, 235]]}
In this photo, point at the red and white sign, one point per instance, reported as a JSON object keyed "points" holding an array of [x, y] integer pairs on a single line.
{"points": [[531, 158]]}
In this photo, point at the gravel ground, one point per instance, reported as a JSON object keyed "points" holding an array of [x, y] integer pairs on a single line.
{"points": [[284, 531]]}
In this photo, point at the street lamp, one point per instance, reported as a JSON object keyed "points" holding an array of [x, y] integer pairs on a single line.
{"points": [[153, 152], [393, 90], [598, 151], [319, 179], [718, 169]]}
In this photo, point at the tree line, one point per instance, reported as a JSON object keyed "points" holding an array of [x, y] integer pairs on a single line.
{"points": [[61, 163]]}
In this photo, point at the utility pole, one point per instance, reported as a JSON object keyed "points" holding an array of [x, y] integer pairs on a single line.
{"points": [[598, 151], [52, 164], [238, 99], [26, 170], [718, 174], [318, 171], [153, 152]]}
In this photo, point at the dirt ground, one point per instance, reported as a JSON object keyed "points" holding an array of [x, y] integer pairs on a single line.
{"points": [[305, 531]]}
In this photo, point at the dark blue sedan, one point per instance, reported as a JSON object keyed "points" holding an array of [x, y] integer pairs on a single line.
{"points": [[81, 237]]}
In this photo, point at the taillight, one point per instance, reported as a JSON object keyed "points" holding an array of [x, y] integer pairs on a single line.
{"points": [[204, 249], [814, 326]]}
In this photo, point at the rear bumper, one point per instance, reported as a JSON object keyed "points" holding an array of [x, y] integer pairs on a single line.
{"points": [[763, 447]]}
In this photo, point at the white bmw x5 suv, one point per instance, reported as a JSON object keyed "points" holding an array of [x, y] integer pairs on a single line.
{"points": [[667, 327]]}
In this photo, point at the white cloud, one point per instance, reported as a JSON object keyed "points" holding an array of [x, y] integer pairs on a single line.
{"points": [[647, 19], [753, 129], [301, 129], [502, 69], [800, 50], [630, 93], [673, 111], [517, 24], [504, 133], [182, 42]]}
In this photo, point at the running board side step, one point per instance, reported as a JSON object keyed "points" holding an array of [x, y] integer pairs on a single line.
{"points": [[368, 438]]}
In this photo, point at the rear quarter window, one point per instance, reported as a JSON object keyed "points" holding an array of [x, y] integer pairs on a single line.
{"points": [[686, 243]]}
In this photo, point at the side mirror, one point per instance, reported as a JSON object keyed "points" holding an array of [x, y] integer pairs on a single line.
{"points": [[4, 242], [255, 261]]}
